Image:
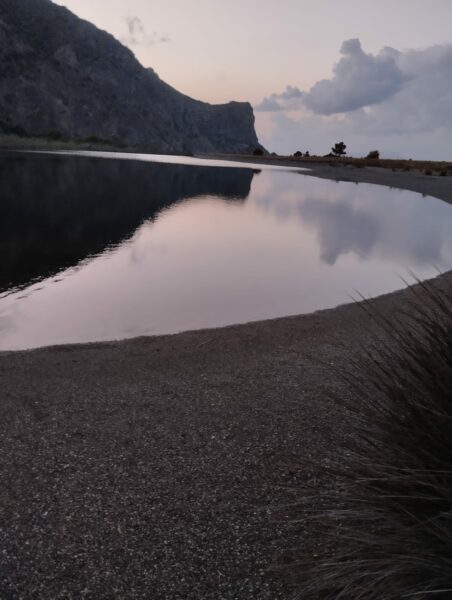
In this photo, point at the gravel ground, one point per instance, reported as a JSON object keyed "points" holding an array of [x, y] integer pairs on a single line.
{"points": [[166, 467]]}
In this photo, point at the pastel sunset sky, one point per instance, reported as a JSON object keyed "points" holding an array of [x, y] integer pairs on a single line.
{"points": [[377, 74]]}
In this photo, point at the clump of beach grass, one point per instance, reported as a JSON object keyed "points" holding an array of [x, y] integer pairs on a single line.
{"points": [[387, 529]]}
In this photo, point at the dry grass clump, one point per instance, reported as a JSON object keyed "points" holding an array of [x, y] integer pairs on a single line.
{"points": [[388, 527]]}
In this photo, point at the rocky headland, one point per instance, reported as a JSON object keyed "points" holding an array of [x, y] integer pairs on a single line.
{"points": [[63, 78]]}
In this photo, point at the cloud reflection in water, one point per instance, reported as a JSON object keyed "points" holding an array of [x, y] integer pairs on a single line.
{"points": [[107, 250], [370, 221]]}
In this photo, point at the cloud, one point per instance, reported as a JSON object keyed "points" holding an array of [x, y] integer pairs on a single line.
{"points": [[269, 104], [290, 99], [359, 80], [396, 101], [423, 105], [138, 36]]}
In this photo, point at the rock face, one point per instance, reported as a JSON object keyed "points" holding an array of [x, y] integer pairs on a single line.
{"points": [[62, 75]]}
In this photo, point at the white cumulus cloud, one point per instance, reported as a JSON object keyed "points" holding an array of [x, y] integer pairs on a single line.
{"points": [[359, 80], [289, 99]]}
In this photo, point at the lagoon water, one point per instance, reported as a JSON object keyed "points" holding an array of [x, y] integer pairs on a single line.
{"points": [[95, 249]]}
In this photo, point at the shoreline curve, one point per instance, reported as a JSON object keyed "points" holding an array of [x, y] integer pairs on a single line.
{"points": [[176, 456]]}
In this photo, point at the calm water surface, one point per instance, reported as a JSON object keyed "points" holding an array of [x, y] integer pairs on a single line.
{"points": [[96, 249]]}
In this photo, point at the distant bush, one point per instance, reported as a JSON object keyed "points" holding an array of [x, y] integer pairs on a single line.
{"points": [[94, 139], [258, 152], [298, 154], [373, 155], [54, 135], [427, 172], [307, 155], [12, 130], [443, 173]]}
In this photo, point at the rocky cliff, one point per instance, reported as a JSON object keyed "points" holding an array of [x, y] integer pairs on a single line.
{"points": [[62, 75]]}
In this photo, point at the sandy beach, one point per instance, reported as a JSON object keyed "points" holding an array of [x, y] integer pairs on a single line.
{"points": [[165, 467]]}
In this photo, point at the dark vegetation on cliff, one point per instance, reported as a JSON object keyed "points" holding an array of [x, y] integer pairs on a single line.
{"points": [[62, 77]]}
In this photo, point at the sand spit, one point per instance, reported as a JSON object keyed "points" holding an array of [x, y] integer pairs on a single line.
{"points": [[416, 181]]}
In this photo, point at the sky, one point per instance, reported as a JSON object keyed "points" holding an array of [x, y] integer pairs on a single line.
{"points": [[377, 74]]}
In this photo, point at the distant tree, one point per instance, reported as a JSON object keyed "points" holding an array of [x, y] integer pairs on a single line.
{"points": [[339, 149], [307, 155], [373, 154], [258, 152], [298, 153]]}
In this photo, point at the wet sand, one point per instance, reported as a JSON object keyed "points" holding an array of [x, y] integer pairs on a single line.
{"points": [[165, 467]]}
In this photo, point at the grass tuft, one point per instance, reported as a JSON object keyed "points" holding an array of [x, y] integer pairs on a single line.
{"points": [[388, 525]]}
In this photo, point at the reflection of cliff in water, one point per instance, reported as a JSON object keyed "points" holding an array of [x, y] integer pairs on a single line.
{"points": [[57, 211]]}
